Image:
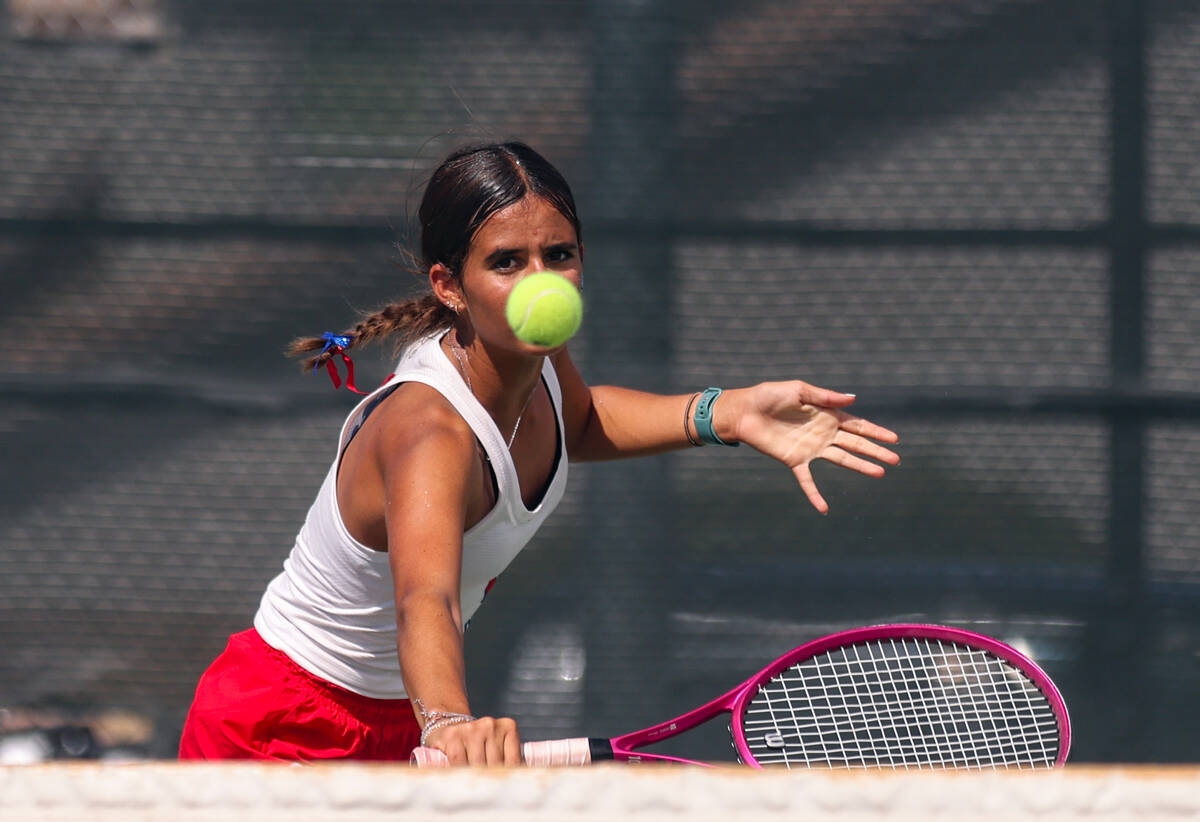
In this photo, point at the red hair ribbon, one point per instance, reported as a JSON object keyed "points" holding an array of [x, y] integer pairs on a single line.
{"points": [[336, 345]]}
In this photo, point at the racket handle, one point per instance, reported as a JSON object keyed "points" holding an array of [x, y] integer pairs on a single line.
{"points": [[556, 752], [551, 753], [428, 758]]}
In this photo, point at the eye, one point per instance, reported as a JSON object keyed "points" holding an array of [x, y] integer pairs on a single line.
{"points": [[506, 263], [560, 254]]}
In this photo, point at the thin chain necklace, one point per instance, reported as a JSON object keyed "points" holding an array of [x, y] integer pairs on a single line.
{"points": [[462, 367]]}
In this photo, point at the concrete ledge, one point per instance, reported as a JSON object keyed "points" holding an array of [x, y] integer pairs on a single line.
{"points": [[193, 792]]}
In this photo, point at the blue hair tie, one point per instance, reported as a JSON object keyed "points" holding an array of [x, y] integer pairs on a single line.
{"points": [[336, 344], [332, 341]]}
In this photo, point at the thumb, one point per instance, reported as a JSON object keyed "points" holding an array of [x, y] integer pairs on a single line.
{"points": [[826, 397]]}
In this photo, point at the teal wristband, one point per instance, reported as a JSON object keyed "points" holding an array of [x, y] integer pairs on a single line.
{"points": [[704, 420]]}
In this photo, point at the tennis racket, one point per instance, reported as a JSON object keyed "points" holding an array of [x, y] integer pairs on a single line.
{"points": [[887, 696]]}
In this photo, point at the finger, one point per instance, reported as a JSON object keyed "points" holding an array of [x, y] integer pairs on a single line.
{"points": [[493, 751], [845, 460], [808, 484], [866, 428], [512, 747], [829, 398], [476, 745], [864, 447], [455, 751]]}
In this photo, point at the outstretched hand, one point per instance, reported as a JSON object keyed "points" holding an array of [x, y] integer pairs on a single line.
{"points": [[796, 423]]}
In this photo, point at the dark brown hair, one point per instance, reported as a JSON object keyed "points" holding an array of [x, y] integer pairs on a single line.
{"points": [[468, 187]]}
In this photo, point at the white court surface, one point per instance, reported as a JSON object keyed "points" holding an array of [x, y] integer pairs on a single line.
{"points": [[190, 792]]}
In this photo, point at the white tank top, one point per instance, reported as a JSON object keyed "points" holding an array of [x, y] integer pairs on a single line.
{"points": [[332, 609]]}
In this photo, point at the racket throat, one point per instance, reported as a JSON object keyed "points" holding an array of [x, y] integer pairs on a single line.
{"points": [[601, 750]]}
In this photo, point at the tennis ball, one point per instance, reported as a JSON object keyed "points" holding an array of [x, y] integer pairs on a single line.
{"points": [[544, 309]]}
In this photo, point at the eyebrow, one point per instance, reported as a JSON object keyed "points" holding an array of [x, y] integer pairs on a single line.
{"points": [[500, 253]]}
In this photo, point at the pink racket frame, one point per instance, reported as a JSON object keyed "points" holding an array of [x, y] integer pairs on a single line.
{"points": [[624, 747]]}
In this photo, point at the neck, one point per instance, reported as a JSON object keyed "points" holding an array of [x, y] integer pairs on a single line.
{"points": [[501, 381]]}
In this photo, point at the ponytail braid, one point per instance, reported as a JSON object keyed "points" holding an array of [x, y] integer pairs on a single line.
{"points": [[406, 320]]}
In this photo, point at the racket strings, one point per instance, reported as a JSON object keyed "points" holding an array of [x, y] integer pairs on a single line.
{"points": [[902, 703]]}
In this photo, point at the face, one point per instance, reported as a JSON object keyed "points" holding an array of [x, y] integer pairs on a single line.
{"points": [[524, 238]]}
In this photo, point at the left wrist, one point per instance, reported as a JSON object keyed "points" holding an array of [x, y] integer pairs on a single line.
{"points": [[726, 415], [713, 425]]}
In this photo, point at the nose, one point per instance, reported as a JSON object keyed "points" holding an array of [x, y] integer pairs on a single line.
{"points": [[542, 262]]}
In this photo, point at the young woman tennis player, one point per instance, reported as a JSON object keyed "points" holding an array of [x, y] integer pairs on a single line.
{"points": [[445, 472]]}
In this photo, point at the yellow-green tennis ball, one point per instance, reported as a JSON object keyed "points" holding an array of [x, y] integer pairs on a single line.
{"points": [[544, 309]]}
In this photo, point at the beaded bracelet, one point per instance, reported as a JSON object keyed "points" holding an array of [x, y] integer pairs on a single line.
{"points": [[437, 724], [432, 716], [438, 719]]}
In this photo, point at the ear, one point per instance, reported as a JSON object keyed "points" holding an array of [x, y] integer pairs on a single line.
{"points": [[446, 287]]}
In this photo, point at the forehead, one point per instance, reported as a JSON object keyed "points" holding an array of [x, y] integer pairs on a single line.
{"points": [[531, 221]]}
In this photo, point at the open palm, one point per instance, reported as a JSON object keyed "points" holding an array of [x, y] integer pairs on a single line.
{"points": [[796, 423]]}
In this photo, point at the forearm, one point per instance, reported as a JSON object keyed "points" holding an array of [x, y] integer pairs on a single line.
{"points": [[429, 639], [429, 642], [623, 422]]}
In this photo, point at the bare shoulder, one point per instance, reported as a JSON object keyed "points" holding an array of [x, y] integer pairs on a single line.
{"points": [[429, 471], [417, 418]]}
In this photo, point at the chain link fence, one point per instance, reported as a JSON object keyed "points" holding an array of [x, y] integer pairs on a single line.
{"points": [[979, 215]]}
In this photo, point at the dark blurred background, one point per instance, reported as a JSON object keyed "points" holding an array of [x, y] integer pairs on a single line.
{"points": [[979, 215]]}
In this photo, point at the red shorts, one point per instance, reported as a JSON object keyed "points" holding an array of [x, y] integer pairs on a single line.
{"points": [[254, 702]]}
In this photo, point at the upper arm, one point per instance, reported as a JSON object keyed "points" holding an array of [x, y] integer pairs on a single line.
{"points": [[577, 405], [427, 460]]}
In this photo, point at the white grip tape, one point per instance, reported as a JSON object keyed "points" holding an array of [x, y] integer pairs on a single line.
{"points": [[557, 752], [551, 753], [428, 758]]}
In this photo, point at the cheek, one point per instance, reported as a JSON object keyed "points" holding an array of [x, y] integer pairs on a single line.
{"points": [[575, 277], [489, 303]]}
